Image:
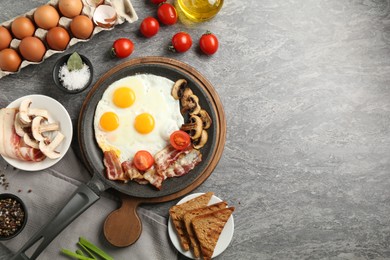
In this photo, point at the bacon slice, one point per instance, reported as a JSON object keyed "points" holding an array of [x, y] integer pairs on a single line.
{"points": [[166, 157], [169, 163], [184, 163], [113, 166], [154, 178], [149, 176], [11, 144], [133, 173]]}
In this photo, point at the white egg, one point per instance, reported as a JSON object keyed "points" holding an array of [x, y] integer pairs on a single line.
{"points": [[129, 128]]}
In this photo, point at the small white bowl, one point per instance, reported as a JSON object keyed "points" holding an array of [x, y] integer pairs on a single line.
{"points": [[62, 61], [57, 113]]}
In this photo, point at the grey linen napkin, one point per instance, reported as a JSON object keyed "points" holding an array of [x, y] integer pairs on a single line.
{"points": [[46, 192]]}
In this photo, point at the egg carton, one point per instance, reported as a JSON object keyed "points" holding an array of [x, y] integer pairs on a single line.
{"points": [[124, 12]]}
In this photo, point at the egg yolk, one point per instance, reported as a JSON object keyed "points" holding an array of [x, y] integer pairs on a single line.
{"points": [[144, 123], [123, 97], [109, 121]]}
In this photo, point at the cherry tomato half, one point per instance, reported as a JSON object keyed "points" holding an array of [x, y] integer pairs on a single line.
{"points": [[208, 43], [180, 140], [181, 42], [122, 48], [167, 14], [143, 160], [156, 2], [149, 27]]}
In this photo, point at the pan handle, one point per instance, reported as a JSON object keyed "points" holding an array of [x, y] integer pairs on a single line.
{"points": [[82, 198], [123, 226]]}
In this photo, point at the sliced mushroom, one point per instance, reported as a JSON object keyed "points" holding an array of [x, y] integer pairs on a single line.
{"points": [[34, 112], [191, 105], [201, 141], [49, 150], [206, 119], [193, 127], [197, 108], [37, 128], [18, 126], [36, 124], [30, 142], [186, 93], [23, 111], [178, 88]]}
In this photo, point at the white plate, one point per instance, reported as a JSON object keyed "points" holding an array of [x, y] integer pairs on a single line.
{"points": [[223, 241], [57, 113]]}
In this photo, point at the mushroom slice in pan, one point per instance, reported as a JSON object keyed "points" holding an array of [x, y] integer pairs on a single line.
{"points": [[186, 93], [178, 88], [206, 119], [196, 108], [199, 143], [193, 127], [190, 104], [49, 150]]}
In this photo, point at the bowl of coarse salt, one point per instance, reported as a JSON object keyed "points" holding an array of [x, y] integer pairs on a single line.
{"points": [[73, 73]]}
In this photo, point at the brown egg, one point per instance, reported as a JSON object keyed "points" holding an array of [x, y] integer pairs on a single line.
{"points": [[46, 17], [57, 38], [70, 8], [9, 60], [32, 49], [5, 38], [81, 27], [22, 27]]}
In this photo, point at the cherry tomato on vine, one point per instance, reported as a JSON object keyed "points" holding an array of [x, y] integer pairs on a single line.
{"points": [[156, 2], [181, 42], [149, 27], [208, 43], [143, 160], [180, 140], [122, 48], [167, 14]]}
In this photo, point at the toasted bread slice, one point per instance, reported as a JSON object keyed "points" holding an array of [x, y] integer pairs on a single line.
{"points": [[177, 213], [208, 228], [188, 223]]}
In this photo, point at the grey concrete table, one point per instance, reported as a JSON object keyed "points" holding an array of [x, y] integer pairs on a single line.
{"points": [[306, 90]]}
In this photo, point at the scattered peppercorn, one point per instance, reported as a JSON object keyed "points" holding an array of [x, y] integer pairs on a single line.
{"points": [[12, 217], [3, 181]]}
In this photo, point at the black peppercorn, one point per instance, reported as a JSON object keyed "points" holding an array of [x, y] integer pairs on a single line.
{"points": [[12, 217]]}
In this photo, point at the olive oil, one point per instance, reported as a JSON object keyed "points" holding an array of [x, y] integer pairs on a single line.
{"points": [[199, 10]]}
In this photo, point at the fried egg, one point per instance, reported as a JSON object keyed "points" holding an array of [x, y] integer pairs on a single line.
{"points": [[137, 113]]}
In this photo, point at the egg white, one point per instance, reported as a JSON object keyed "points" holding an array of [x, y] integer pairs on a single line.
{"points": [[153, 96]]}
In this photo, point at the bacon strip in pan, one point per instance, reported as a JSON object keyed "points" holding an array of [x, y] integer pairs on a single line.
{"points": [[173, 163], [113, 166], [169, 163]]}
